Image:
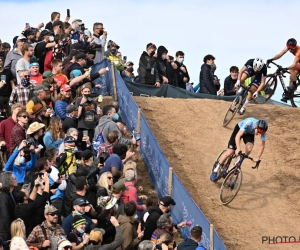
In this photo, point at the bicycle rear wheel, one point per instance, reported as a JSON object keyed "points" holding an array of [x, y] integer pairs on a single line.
{"points": [[295, 100], [234, 107], [220, 170], [231, 186], [268, 90]]}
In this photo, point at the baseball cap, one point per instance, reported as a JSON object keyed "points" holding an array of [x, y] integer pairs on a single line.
{"points": [[40, 87], [2, 242], [46, 32], [47, 74], [74, 73], [97, 234], [66, 87], [167, 201], [77, 20], [79, 202], [129, 63], [87, 33], [21, 37], [80, 55], [71, 108], [119, 186], [69, 139]]}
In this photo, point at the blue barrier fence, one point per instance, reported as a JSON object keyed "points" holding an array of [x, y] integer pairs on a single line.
{"points": [[158, 169]]}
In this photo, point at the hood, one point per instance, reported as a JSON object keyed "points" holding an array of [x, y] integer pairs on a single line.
{"points": [[104, 119], [125, 219], [155, 209], [145, 54], [160, 51]]}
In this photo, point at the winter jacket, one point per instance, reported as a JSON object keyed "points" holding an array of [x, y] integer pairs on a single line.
{"points": [[70, 192], [188, 244], [112, 246], [60, 108], [180, 75], [131, 195], [6, 127], [69, 122], [117, 61], [207, 85], [129, 233], [99, 42], [7, 208], [150, 225], [19, 170], [229, 86], [106, 124], [11, 60], [148, 69]]}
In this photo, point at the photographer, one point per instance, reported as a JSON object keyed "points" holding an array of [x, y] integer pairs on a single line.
{"points": [[16, 162], [87, 115]]}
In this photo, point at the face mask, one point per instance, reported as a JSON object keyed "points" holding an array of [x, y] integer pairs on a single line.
{"points": [[116, 117], [49, 170], [152, 53], [234, 77], [51, 38], [180, 60], [101, 32], [163, 57], [78, 29], [21, 160], [80, 231], [113, 51], [25, 81], [78, 213], [130, 70]]}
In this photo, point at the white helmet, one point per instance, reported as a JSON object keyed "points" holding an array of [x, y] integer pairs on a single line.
{"points": [[258, 63]]}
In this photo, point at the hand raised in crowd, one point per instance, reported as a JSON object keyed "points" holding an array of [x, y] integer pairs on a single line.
{"points": [[102, 71], [174, 65], [114, 221], [23, 144], [140, 188], [83, 100], [2, 143], [41, 25], [46, 243], [129, 154], [105, 33], [36, 150], [86, 239], [98, 86], [181, 224], [88, 208], [45, 178], [157, 84], [183, 69]]}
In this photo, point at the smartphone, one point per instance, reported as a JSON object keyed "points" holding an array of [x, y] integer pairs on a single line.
{"points": [[3, 78], [107, 69], [85, 133], [27, 24], [101, 159], [68, 13], [41, 174], [59, 176], [40, 146], [125, 58]]}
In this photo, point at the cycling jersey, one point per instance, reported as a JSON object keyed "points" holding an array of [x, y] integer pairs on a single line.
{"points": [[296, 53], [247, 125], [257, 75]]}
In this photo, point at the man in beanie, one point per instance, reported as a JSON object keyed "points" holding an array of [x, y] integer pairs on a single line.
{"points": [[35, 76], [76, 237], [71, 118], [42, 236]]}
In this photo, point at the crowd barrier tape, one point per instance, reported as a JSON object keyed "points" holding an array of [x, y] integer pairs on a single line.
{"points": [[158, 169]]}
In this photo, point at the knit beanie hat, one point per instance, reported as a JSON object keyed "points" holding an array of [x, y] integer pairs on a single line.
{"points": [[78, 220]]}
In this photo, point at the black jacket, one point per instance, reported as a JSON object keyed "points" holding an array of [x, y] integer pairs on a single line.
{"points": [[7, 208], [69, 123], [148, 69], [180, 75], [150, 225], [70, 192], [73, 66], [206, 80], [188, 244], [229, 86]]}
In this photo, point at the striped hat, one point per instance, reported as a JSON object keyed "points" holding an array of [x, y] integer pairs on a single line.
{"points": [[106, 202], [63, 243], [78, 220]]}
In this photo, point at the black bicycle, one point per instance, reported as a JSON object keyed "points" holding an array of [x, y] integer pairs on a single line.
{"points": [[270, 86], [237, 104], [233, 180]]}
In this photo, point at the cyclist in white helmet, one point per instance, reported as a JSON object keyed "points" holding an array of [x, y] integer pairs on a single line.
{"points": [[257, 68]]}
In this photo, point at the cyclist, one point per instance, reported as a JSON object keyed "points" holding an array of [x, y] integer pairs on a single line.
{"points": [[246, 130], [291, 46], [253, 67]]}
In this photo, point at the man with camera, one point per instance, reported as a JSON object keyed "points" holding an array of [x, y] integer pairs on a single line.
{"points": [[99, 41], [16, 162]]}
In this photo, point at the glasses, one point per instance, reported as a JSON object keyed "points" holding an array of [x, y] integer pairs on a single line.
{"points": [[53, 214], [24, 116], [109, 177], [27, 76]]}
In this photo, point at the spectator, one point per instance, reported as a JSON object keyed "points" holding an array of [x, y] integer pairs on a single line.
{"points": [[5, 49], [14, 55], [23, 63], [64, 244], [146, 245], [57, 74], [118, 190], [206, 77], [80, 62], [6, 87], [71, 132], [77, 26], [147, 66], [7, 204], [21, 92], [54, 135], [107, 123], [193, 242], [163, 207], [96, 238], [69, 61], [76, 237], [36, 77], [58, 27], [16, 162], [99, 41], [87, 110], [230, 81], [114, 163], [128, 74], [152, 201], [18, 235], [55, 16], [41, 240], [70, 120], [18, 133], [112, 56], [7, 125], [35, 132], [27, 205], [127, 165], [132, 237], [216, 79], [107, 147], [63, 100], [105, 184], [165, 241]]}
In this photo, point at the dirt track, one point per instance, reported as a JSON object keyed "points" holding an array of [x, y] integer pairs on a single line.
{"points": [[190, 133]]}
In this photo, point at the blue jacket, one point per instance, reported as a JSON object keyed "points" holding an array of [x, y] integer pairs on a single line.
{"points": [[67, 223], [189, 244], [19, 171], [60, 108], [50, 143], [59, 194]]}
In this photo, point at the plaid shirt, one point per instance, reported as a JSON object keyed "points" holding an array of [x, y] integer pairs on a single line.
{"points": [[37, 237], [20, 95], [16, 137]]}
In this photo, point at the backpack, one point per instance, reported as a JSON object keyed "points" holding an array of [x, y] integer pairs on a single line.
{"points": [[63, 165], [98, 140]]}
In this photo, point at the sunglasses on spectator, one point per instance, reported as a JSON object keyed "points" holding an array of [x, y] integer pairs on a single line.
{"points": [[26, 76], [109, 177], [53, 214], [24, 116]]}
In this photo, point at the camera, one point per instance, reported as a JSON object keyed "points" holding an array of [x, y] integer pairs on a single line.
{"points": [[29, 142], [88, 98]]}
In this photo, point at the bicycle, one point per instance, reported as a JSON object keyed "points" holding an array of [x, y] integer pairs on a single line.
{"points": [[271, 84], [236, 105], [233, 180]]}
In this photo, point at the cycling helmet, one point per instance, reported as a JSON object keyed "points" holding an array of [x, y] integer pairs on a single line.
{"points": [[258, 63], [291, 43], [262, 125]]}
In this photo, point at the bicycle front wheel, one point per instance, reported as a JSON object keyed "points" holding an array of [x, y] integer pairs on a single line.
{"points": [[268, 91], [231, 185], [234, 107]]}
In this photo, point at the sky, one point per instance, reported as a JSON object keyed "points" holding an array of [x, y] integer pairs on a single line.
{"points": [[232, 31]]}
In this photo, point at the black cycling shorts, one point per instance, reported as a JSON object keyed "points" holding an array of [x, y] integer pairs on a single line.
{"points": [[246, 138]]}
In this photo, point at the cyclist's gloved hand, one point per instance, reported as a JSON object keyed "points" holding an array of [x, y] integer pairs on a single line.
{"points": [[238, 83], [269, 61], [255, 94], [284, 70]]}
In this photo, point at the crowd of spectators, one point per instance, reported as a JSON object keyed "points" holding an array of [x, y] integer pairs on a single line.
{"points": [[67, 177]]}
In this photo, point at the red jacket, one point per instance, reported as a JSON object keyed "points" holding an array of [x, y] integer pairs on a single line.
{"points": [[6, 127], [131, 195], [48, 59]]}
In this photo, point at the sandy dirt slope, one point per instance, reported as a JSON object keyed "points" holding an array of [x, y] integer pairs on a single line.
{"points": [[190, 133]]}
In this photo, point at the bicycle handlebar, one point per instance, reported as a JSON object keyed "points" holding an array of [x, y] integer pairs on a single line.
{"points": [[250, 158], [278, 66]]}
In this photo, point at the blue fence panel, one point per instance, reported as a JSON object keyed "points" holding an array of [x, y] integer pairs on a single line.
{"points": [[105, 80], [158, 166], [187, 210]]}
